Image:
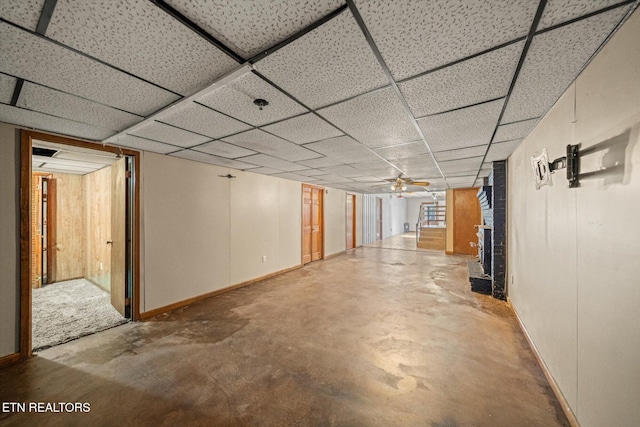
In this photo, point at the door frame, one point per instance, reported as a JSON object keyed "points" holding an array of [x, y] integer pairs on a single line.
{"points": [[26, 137]]}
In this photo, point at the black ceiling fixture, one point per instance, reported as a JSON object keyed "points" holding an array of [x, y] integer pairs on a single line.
{"points": [[227, 176], [261, 103]]}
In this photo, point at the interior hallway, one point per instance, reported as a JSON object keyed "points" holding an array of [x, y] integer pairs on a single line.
{"points": [[376, 336]]}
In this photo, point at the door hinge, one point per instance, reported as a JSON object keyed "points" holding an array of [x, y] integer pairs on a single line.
{"points": [[127, 302]]}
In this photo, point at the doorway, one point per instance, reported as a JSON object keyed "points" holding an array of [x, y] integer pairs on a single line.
{"points": [[351, 221], [80, 233], [312, 223], [379, 218]]}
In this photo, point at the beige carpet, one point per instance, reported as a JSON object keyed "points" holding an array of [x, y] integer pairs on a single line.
{"points": [[68, 310]]}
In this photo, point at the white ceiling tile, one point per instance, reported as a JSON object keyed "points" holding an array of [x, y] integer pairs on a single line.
{"points": [[60, 162], [143, 144], [344, 170], [343, 148], [100, 157], [402, 150], [251, 27], [452, 166], [139, 37], [476, 80], [263, 142], [462, 173], [274, 163], [295, 177], [36, 59], [303, 129], [212, 160], [52, 166], [372, 165], [7, 86], [50, 101], [318, 68], [332, 178], [517, 130], [223, 149], [501, 150], [321, 162], [41, 121], [25, 13], [415, 36], [203, 120], [376, 119], [559, 11], [461, 181], [418, 161], [312, 172], [169, 134], [266, 171], [554, 60], [461, 153], [236, 99], [367, 179], [462, 128]]}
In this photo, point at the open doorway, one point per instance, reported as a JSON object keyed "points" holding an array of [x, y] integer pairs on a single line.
{"points": [[351, 221], [80, 236]]}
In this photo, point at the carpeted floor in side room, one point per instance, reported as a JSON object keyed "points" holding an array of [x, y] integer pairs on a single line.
{"points": [[68, 310]]}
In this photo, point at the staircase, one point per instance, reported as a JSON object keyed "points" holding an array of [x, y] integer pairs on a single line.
{"points": [[431, 229], [432, 238]]}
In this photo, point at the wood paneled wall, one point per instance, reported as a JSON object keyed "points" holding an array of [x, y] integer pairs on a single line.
{"points": [[71, 227], [97, 190]]}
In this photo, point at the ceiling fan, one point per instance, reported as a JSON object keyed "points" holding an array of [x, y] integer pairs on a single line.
{"points": [[400, 183]]}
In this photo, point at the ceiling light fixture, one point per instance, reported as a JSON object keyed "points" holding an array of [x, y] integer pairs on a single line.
{"points": [[261, 103]]}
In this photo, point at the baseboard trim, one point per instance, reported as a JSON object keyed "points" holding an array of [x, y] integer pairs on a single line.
{"points": [[448, 252], [571, 417], [9, 359], [335, 255], [180, 304]]}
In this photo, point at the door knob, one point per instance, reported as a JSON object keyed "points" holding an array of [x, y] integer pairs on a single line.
{"points": [[109, 242]]}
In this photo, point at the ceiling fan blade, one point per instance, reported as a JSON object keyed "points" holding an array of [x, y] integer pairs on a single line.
{"points": [[419, 183]]}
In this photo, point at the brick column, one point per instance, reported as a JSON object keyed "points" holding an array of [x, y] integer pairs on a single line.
{"points": [[499, 230]]}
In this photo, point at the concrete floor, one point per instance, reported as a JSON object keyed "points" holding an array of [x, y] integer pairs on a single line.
{"points": [[381, 336]]}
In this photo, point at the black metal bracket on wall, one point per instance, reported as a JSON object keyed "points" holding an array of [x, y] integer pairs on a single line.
{"points": [[572, 162]]}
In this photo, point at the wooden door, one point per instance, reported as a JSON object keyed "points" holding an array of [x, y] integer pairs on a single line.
{"points": [[316, 223], [466, 215], [351, 221], [118, 235], [312, 223], [52, 235], [306, 223]]}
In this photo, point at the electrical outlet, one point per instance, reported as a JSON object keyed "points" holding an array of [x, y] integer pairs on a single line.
{"points": [[264, 258]]}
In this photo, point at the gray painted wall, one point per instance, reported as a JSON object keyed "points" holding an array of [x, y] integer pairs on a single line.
{"points": [[573, 270]]}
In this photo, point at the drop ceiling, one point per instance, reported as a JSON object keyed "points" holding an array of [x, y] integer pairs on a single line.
{"points": [[358, 92]]}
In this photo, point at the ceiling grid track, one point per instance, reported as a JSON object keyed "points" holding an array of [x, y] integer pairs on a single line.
{"points": [[525, 50], [394, 85], [43, 24], [196, 29], [314, 112]]}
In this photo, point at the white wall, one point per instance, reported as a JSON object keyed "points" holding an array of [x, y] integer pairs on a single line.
{"points": [[9, 239], [573, 253], [202, 233], [394, 215]]}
